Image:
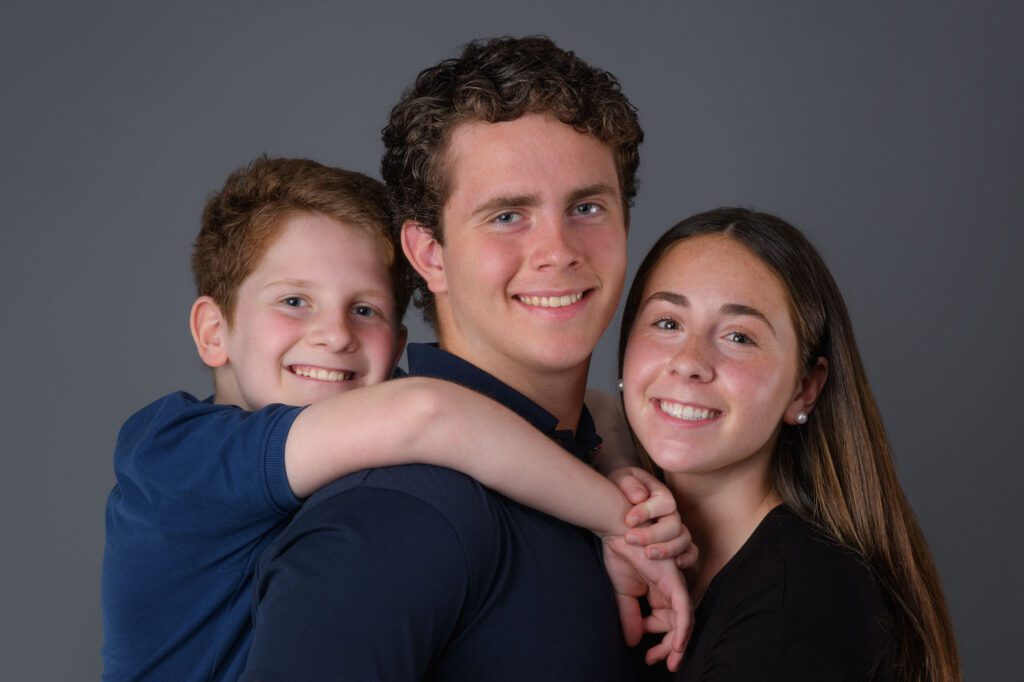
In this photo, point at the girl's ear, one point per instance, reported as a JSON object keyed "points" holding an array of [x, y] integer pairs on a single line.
{"points": [[425, 254], [208, 327], [807, 392]]}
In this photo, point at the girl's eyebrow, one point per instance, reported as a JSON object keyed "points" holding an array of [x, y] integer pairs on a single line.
{"points": [[746, 310], [734, 309]]}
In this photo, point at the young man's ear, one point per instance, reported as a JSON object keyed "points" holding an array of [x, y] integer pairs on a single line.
{"points": [[425, 255], [807, 393], [208, 325]]}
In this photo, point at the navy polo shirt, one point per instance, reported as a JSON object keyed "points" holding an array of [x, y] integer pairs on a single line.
{"points": [[419, 572]]}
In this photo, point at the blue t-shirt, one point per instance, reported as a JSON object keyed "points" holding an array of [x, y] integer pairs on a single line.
{"points": [[201, 491], [419, 572]]}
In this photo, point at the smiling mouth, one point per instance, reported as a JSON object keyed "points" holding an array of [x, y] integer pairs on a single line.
{"points": [[552, 301], [688, 413], [321, 373]]}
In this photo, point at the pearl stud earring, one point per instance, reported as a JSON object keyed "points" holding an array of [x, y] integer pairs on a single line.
{"points": [[801, 417]]}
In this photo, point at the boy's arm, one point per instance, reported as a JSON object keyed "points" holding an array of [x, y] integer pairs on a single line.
{"points": [[422, 420], [428, 421]]}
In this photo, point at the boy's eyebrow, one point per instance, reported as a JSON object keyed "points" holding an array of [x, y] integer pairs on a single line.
{"points": [[506, 201], [735, 309], [297, 283]]}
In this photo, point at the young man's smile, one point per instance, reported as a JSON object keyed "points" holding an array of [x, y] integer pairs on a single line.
{"points": [[534, 247]]}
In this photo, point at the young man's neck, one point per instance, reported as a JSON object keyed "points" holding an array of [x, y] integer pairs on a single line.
{"points": [[559, 392]]}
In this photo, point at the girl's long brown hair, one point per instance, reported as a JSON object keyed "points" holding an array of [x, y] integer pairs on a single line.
{"points": [[836, 470]]}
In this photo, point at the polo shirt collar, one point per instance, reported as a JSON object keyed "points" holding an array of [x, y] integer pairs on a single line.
{"points": [[430, 361]]}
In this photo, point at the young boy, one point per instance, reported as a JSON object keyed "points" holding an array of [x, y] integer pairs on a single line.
{"points": [[300, 302]]}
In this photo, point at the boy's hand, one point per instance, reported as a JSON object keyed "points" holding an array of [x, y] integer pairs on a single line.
{"points": [[666, 536], [633, 575]]}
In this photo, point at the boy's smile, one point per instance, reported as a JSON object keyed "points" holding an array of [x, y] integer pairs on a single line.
{"points": [[314, 319], [534, 248]]}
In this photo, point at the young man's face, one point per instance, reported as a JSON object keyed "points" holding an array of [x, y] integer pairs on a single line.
{"points": [[534, 248], [314, 319]]}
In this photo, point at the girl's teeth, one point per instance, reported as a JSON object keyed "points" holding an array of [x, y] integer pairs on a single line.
{"points": [[687, 412]]}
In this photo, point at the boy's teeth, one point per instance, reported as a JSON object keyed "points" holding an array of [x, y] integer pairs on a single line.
{"points": [[322, 374], [551, 301], [686, 412]]}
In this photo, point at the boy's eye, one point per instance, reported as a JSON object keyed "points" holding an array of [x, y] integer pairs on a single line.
{"points": [[293, 301], [667, 323], [587, 208]]}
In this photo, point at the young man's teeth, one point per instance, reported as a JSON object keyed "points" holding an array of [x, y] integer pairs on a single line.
{"points": [[551, 301], [322, 374], [687, 412]]}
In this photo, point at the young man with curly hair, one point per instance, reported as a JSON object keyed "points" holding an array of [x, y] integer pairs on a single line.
{"points": [[511, 170]]}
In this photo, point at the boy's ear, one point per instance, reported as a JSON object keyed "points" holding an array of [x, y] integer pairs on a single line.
{"points": [[807, 392], [208, 327], [425, 254]]}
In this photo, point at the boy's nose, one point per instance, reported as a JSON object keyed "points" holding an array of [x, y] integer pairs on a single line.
{"points": [[334, 333]]}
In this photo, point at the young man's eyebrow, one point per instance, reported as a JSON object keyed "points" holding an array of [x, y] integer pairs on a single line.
{"points": [[596, 189], [506, 201]]}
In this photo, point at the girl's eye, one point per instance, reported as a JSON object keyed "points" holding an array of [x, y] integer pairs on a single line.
{"points": [[364, 311], [737, 337], [667, 323], [587, 208], [294, 301]]}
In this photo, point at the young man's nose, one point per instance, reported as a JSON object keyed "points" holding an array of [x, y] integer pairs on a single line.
{"points": [[333, 331], [693, 360], [555, 245]]}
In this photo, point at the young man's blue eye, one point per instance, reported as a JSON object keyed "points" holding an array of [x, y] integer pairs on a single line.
{"points": [[506, 217], [587, 208], [364, 311]]}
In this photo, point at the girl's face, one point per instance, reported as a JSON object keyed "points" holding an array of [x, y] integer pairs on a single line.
{"points": [[711, 368]]}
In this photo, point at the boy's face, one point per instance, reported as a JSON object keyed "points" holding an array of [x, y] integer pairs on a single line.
{"points": [[534, 251], [314, 319]]}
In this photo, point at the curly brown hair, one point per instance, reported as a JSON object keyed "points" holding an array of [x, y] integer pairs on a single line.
{"points": [[241, 220], [496, 80]]}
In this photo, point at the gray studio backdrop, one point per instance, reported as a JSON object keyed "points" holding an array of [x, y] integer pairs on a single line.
{"points": [[891, 132]]}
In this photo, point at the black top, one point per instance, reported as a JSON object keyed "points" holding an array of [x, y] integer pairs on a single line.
{"points": [[791, 605], [419, 572]]}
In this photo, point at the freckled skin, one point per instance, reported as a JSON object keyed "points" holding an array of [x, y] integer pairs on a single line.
{"points": [[699, 355], [321, 296]]}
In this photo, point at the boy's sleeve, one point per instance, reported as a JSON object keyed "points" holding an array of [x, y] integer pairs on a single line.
{"points": [[195, 465]]}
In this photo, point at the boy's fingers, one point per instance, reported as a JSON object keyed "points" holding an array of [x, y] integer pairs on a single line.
{"points": [[633, 489], [631, 618], [665, 539], [688, 558]]}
